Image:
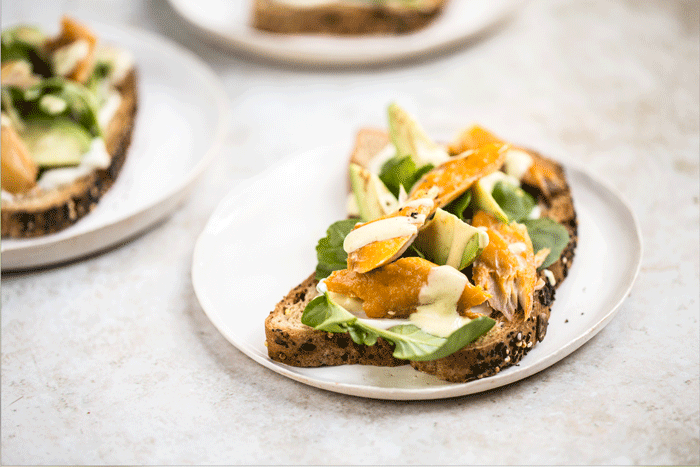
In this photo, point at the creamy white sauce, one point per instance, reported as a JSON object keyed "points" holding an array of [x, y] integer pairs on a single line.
{"points": [[550, 277], [403, 196], [383, 229], [517, 163], [489, 182], [536, 213], [122, 62], [109, 108], [67, 57], [416, 203], [7, 196], [437, 312], [517, 248], [96, 158], [52, 105]]}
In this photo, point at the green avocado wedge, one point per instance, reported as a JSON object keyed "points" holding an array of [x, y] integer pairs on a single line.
{"points": [[447, 240], [56, 142]]}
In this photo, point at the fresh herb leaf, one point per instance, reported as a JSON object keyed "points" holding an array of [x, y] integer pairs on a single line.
{"points": [[329, 250], [515, 202], [399, 171], [547, 233], [410, 342], [458, 206]]}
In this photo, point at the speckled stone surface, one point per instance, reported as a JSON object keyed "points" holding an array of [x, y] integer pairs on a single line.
{"points": [[111, 360]]}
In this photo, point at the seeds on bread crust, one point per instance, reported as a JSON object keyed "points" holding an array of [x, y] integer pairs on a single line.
{"points": [[291, 342]]}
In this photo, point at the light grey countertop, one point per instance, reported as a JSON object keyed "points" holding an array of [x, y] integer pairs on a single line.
{"points": [[111, 360]]}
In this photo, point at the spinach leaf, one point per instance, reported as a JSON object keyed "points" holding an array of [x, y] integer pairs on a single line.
{"points": [[410, 342], [547, 233], [458, 206], [399, 171], [515, 202], [329, 250]]}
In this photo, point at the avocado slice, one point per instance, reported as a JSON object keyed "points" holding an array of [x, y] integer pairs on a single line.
{"points": [[483, 197], [447, 240], [56, 142], [373, 198], [411, 140]]}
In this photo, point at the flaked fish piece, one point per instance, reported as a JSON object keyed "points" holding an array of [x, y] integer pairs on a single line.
{"points": [[394, 290], [506, 267], [371, 246]]}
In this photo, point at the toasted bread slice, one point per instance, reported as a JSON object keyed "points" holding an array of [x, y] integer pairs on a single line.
{"points": [[291, 342], [344, 17], [43, 212]]}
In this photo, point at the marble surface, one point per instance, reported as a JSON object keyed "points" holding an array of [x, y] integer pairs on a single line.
{"points": [[111, 360]]}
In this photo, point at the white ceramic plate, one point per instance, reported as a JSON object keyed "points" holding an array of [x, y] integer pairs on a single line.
{"points": [[180, 125], [260, 242], [229, 24]]}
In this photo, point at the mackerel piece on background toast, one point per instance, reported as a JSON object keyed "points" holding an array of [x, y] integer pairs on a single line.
{"points": [[293, 343], [344, 17]]}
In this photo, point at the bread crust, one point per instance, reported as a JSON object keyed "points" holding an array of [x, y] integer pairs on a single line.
{"points": [[37, 214], [342, 18], [504, 345]]}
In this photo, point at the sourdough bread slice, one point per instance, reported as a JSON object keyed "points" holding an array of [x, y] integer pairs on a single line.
{"points": [[291, 342], [43, 212], [347, 17]]}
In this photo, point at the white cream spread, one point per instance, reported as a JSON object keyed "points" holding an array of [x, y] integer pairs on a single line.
{"points": [[67, 57], [7, 196], [376, 231], [96, 158], [517, 248], [437, 312], [52, 105], [517, 163], [109, 108], [489, 182], [416, 203], [122, 62], [550, 277]]}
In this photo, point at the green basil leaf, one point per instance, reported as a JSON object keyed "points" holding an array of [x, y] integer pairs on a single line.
{"points": [[515, 202], [329, 250], [547, 233], [399, 171], [410, 342], [458, 206]]}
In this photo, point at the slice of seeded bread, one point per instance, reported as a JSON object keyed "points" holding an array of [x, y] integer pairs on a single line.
{"points": [[291, 342], [43, 212], [349, 17]]}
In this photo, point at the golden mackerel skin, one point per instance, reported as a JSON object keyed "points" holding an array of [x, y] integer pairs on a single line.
{"points": [[442, 185]]}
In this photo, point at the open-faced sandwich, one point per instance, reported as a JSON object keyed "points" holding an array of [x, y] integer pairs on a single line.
{"points": [[68, 109], [346, 17], [449, 260]]}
